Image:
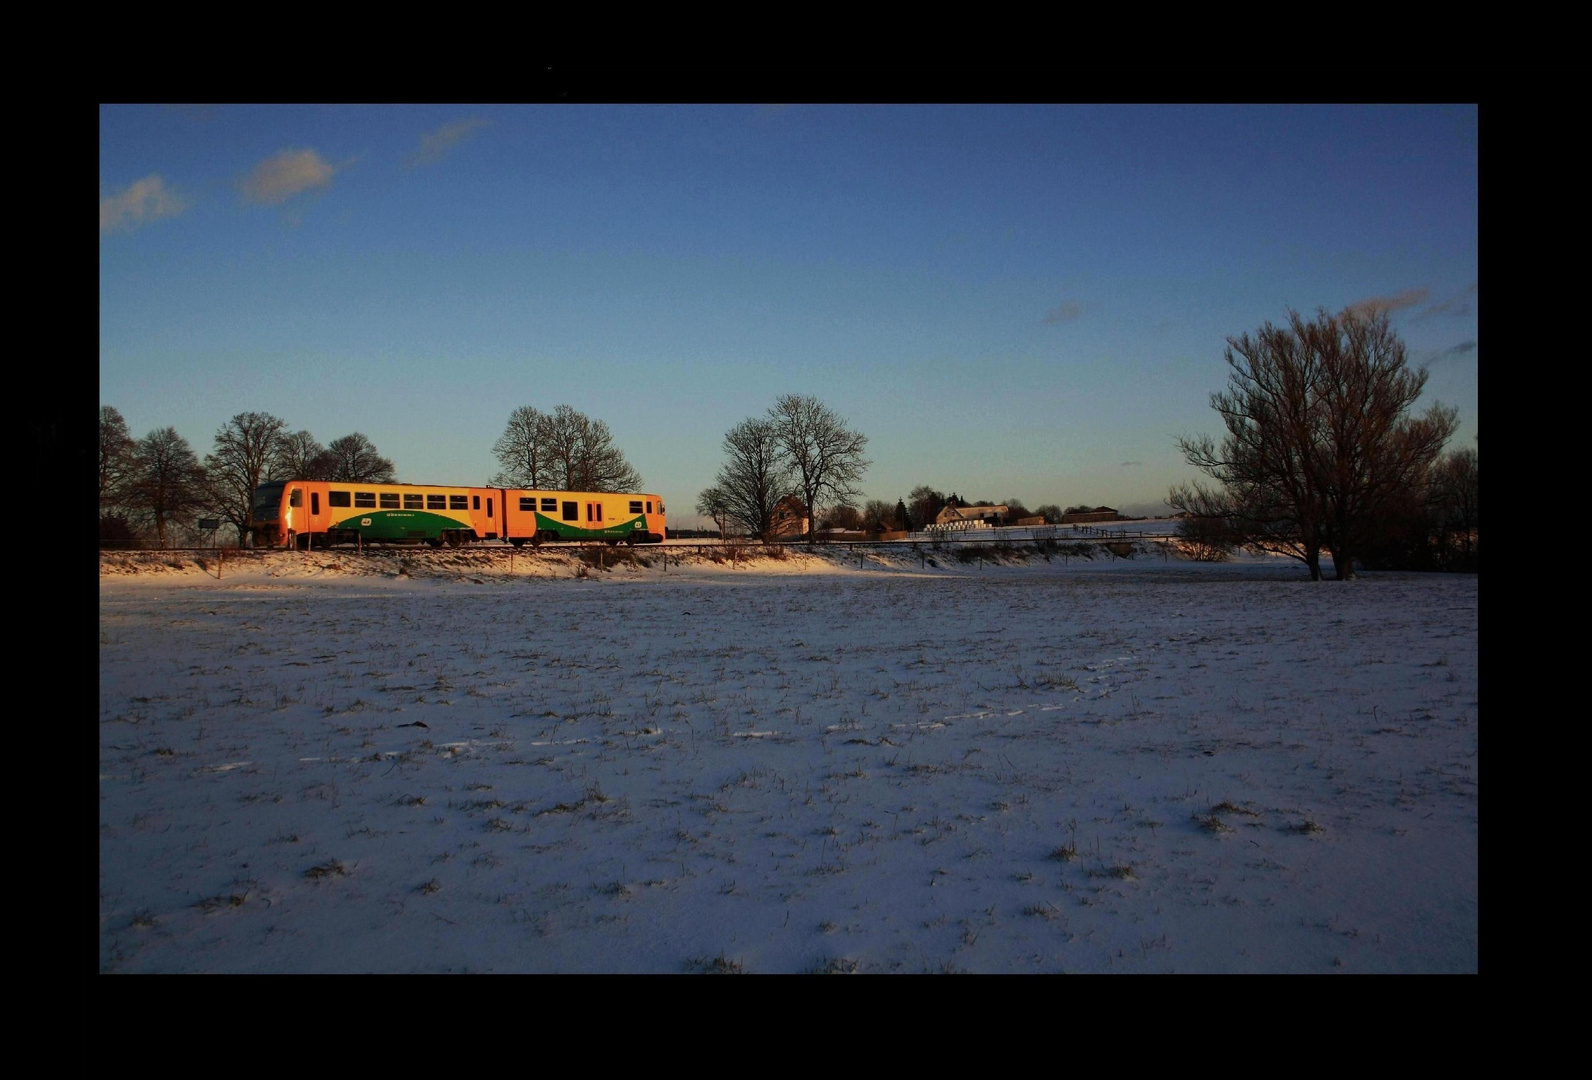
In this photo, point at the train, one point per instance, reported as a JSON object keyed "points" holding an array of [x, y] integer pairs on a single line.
{"points": [[317, 513]]}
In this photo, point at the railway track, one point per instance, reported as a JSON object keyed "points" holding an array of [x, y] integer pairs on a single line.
{"points": [[672, 546]]}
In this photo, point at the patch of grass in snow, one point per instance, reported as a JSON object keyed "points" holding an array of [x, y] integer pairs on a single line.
{"points": [[1120, 871], [717, 965], [222, 902], [1068, 852]]}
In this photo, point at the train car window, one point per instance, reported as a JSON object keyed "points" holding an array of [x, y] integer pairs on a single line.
{"points": [[458, 502], [296, 498], [489, 508], [365, 498], [315, 502], [436, 502], [475, 502], [337, 498], [389, 500], [549, 506], [528, 505], [414, 502], [649, 506], [635, 506], [571, 511]]}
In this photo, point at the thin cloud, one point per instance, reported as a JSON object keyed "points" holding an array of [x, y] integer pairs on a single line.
{"points": [[282, 176], [1461, 349], [146, 200], [434, 145], [1405, 298], [1454, 306], [1065, 313], [1130, 464]]}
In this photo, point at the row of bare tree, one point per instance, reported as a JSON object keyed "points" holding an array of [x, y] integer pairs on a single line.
{"points": [[564, 450], [800, 450], [158, 485]]}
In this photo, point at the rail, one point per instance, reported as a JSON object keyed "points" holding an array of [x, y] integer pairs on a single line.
{"points": [[931, 542]]}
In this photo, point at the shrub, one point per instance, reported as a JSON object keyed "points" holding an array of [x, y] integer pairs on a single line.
{"points": [[1205, 539]]}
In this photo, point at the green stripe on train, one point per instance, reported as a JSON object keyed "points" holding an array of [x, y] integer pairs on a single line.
{"points": [[420, 525], [400, 524], [568, 530]]}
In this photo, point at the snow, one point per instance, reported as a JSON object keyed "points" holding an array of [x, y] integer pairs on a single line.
{"points": [[439, 762]]}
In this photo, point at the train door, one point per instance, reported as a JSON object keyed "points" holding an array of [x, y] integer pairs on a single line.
{"points": [[293, 517], [484, 514], [594, 516], [319, 512]]}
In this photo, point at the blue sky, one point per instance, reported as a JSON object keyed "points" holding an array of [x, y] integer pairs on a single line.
{"points": [[1008, 301]]}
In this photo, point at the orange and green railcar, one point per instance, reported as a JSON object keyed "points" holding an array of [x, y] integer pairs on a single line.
{"points": [[322, 512], [623, 517]]}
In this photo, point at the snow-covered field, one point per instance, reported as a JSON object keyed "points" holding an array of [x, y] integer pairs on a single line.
{"points": [[327, 763]]}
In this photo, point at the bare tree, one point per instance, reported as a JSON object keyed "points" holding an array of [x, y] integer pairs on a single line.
{"points": [[1015, 510], [1455, 495], [848, 518], [754, 476], [825, 455], [166, 481], [1376, 452], [115, 457], [1319, 438], [878, 516], [582, 455], [523, 450], [300, 456], [925, 503], [244, 448], [1050, 512], [712, 503], [354, 460]]}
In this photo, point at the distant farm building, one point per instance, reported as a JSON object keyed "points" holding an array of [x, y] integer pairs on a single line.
{"points": [[1099, 513], [955, 516], [789, 519]]}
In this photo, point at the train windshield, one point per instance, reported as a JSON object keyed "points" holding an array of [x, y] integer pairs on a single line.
{"points": [[268, 500]]}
